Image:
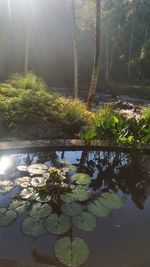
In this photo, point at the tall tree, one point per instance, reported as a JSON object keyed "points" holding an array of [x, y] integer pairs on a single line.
{"points": [[76, 60], [96, 67]]}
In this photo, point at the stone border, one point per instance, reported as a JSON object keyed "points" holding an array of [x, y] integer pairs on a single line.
{"points": [[67, 145]]}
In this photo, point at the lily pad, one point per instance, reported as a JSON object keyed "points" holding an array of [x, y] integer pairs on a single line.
{"points": [[67, 197], [71, 209], [19, 206], [38, 181], [71, 253], [81, 178], [24, 182], [28, 193], [40, 211], [22, 168], [33, 227], [111, 200], [98, 210], [85, 221], [7, 216], [6, 186], [37, 169], [57, 224], [81, 193]]}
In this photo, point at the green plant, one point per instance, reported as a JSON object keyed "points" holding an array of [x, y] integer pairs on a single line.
{"points": [[28, 81], [74, 115], [111, 126]]}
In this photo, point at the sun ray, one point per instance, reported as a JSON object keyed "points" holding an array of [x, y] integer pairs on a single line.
{"points": [[9, 8]]}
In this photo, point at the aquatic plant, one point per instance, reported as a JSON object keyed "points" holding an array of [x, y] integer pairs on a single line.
{"points": [[54, 201]]}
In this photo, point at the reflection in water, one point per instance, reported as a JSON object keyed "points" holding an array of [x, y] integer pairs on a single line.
{"points": [[110, 172], [5, 164]]}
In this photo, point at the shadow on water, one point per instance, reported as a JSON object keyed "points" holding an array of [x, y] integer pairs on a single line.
{"points": [[116, 178]]}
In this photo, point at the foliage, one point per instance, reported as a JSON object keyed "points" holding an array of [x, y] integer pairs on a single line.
{"points": [[54, 200], [113, 127], [85, 221], [27, 81], [71, 253], [74, 115], [38, 113]]}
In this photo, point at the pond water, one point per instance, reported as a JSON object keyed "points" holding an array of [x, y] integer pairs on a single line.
{"points": [[121, 239]]}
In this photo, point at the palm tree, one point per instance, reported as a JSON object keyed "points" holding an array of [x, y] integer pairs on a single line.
{"points": [[96, 67]]}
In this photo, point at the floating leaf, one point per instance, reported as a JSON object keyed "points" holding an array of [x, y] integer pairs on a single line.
{"points": [[32, 227], [81, 178], [72, 167], [71, 253], [6, 186], [67, 197], [71, 209], [81, 193], [28, 193], [7, 216], [19, 206], [111, 200], [38, 181], [24, 182], [45, 211], [34, 209], [37, 169], [85, 221], [43, 198], [98, 210], [22, 168], [40, 211], [57, 225]]}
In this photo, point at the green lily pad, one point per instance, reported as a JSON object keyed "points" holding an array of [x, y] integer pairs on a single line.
{"points": [[81, 178], [32, 227], [71, 253], [67, 197], [85, 221], [71, 209], [57, 225], [43, 198], [37, 169], [19, 206], [28, 193], [81, 193], [7, 217], [111, 200], [40, 211], [98, 210]]}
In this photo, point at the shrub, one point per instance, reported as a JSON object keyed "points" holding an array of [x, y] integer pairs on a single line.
{"points": [[74, 115], [111, 126], [28, 81], [36, 113]]}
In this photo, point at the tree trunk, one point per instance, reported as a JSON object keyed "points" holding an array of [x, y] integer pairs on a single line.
{"points": [[96, 66], [27, 45], [107, 59], [76, 61], [130, 52]]}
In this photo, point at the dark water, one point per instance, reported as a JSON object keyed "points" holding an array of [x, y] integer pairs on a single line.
{"points": [[120, 240]]}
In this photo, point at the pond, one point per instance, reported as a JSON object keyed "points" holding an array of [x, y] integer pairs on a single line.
{"points": [[93, 210]]}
